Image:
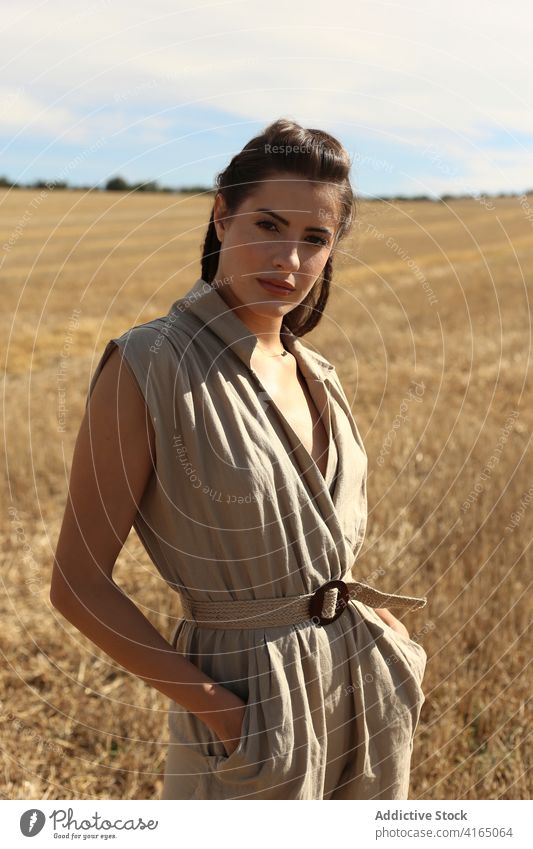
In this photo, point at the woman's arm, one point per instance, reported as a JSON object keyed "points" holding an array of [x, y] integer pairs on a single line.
{"points": [[112, 464]]}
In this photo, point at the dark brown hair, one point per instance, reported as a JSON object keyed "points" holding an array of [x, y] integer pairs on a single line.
{"points": [[285, 146]]}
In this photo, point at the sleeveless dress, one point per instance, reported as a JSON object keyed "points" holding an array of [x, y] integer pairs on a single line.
{"points": [[236, 508]]}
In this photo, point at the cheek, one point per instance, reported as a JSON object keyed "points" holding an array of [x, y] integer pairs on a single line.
{"points": [[246, 255], [314, 262], [256, 252], [246, 239]]}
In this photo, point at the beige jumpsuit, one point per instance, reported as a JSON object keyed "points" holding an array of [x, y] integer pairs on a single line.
{"points": [[237, 509]]}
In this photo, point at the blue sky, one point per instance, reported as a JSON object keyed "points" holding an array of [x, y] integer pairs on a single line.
{"points": [[427, 97]]}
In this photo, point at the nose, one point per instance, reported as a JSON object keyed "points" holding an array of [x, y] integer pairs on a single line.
{"points": [[286, 256]]}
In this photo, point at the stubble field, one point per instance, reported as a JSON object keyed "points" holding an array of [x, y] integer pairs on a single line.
{"points": [[429, 327]]}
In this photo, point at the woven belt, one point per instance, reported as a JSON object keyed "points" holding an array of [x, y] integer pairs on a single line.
{"points": [[321, 607]]}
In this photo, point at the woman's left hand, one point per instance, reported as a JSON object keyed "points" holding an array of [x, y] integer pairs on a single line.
{"points": [[392, 621]]}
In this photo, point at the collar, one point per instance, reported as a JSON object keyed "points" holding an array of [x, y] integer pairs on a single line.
{"points": [[204, 301]]}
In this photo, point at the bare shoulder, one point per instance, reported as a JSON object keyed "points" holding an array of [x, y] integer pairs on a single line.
{"points": [[113, 460]]}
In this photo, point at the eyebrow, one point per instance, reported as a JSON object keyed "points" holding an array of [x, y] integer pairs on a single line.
{"points": [[284, 221]]}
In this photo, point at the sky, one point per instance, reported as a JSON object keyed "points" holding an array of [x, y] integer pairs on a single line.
{"points": [[428, 97]]}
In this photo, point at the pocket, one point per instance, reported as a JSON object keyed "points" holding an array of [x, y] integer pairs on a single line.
{"points": [[245, 728], [402, 637], [264, 764], [414, 652], [246, 772], [188, 732]]}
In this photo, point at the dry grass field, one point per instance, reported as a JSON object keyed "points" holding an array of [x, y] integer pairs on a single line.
{"points": [[429, 325]]}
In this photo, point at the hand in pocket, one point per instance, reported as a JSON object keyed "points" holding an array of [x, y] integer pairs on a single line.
{"points": [[233, 727], [392, 621]]}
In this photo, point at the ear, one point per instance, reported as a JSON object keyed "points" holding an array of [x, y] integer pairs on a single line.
{"points": [[219, 212]]}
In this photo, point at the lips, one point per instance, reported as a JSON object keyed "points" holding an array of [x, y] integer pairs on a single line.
{"points": [[282, 285]]}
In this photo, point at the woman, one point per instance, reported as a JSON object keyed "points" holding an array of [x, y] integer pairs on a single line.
{"points": [[231, 448]]}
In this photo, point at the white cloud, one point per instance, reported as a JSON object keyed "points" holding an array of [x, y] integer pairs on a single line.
{"points": [[419, 70], [18, 108]]}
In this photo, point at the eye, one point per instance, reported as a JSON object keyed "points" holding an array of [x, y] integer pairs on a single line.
{"points": [[271, 223], [320, 241]]}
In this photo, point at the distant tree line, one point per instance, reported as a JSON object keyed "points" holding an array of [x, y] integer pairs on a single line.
{"points": [[114, 184], [119, 184]]}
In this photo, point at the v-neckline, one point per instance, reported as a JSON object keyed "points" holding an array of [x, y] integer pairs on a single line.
{"points": [[316, 386]]}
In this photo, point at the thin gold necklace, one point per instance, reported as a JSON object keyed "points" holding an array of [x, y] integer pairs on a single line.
{"points": [[270, 356]]}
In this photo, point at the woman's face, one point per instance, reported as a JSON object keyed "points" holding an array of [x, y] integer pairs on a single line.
{"points": [[289, 243]]}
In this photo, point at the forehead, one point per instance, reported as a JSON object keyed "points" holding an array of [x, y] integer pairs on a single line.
{"points": [[296, 194]]}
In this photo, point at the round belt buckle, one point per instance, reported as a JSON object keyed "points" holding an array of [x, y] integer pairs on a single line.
{"points": [[317, 601]]}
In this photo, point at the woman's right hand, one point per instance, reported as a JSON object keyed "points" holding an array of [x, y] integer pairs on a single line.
{"points": [[231, 733], [225, 719]]}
